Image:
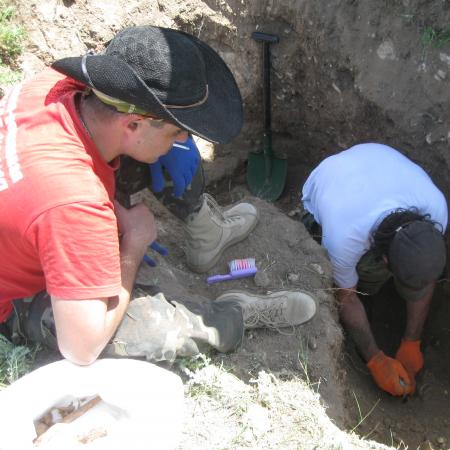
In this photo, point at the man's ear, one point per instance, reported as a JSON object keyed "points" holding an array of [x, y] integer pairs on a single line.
{"points": [[131, 121], [132, 125]]}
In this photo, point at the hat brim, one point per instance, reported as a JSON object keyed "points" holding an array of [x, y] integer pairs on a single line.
{"points": [[218, 119]]}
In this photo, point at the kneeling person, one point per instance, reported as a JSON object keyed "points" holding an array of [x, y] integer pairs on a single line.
{"points": [[380, 216], [62, 135]]}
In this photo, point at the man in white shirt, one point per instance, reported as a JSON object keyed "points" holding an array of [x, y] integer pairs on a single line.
{"points": [[380, 216]]}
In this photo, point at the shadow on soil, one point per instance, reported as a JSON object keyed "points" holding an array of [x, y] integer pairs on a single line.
{"points": [[418, 422]]}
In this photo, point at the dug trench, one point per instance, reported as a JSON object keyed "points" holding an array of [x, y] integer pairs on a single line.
{"points": [[318, 351], [344, 72], [353, 401]]}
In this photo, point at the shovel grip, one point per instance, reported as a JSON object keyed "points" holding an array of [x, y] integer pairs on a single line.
{"points": [[266, 37]]}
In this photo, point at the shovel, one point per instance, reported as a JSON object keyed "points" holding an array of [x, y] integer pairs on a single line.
{"points": [[266, 173]]}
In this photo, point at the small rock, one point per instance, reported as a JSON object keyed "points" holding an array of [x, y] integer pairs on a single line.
{"points": [[292, 243], [444, 58], [441, 440], [312, 344], [318, 268], [261, 279], [293, 277], [294, 212], [284, 374], [386, 50]]}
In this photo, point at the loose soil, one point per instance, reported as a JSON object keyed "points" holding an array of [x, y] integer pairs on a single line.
{"points": [[345, 71]]}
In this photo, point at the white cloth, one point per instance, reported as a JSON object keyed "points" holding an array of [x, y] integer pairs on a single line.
{"points": [[350, 193]]}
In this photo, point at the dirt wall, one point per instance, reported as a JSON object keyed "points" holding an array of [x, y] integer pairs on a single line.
{"points": [[343, 72]]}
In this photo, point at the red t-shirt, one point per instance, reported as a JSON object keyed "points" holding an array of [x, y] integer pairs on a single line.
{"points": [[58, 230]]}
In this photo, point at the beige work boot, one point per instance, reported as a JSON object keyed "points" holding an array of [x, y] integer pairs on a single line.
{"points": [[211, 231], [277, 310]]}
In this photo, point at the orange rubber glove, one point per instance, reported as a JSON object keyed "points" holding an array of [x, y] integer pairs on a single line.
{"points": [[411, 358], [389, 375]]}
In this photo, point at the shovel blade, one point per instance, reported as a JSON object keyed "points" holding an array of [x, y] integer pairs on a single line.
{"points": [[266, 186]]}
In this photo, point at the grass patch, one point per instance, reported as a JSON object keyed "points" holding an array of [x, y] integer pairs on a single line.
{"points": [[198, 384], [15, 361], [189, 365], [12, 37], [435, 37], [303, 360], [9, 76], [362, 417]]}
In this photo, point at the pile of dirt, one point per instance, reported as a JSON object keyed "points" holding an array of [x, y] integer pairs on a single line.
{"points": [[271, 412], [288, 259]]}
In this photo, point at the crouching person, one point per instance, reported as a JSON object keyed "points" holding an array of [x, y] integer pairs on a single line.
{"points": [[71, 253], [379, 216]]}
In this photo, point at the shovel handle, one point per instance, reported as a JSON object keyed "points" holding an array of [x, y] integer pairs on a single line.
{"points": [[267, 149], [266, 40]]}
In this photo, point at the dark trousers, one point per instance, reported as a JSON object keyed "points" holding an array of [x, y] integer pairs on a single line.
{"points": [[312, 227], [32, 319], [133, 177]]}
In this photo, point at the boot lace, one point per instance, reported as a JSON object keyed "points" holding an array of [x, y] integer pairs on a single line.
{"points": [[217, 211], [270, 316]]}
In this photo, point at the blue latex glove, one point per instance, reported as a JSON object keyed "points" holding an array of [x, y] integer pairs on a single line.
{"points": [[181, 162]]}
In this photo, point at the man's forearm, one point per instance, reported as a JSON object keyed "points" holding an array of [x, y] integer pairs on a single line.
{"points": [[130, 261], [138, 230], [96, 319], [356, 323], [416, 313]]}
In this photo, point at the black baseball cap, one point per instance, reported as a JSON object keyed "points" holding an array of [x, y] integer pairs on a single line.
{"points": [[417, 255]]}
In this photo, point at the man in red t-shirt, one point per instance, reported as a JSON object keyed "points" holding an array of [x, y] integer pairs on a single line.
{"points": [[63, 234]]}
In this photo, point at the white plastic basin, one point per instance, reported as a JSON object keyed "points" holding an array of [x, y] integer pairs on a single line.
{"points": [[141, 406]]}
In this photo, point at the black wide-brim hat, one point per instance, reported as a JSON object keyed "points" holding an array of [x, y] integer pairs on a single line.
{"points": [[168, 73]]}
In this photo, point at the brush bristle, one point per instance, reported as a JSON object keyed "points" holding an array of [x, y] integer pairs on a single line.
{"points": [[242, 264]]}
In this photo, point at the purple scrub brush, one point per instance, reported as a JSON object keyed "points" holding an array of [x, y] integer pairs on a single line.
{"points": [[239, 268]]}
